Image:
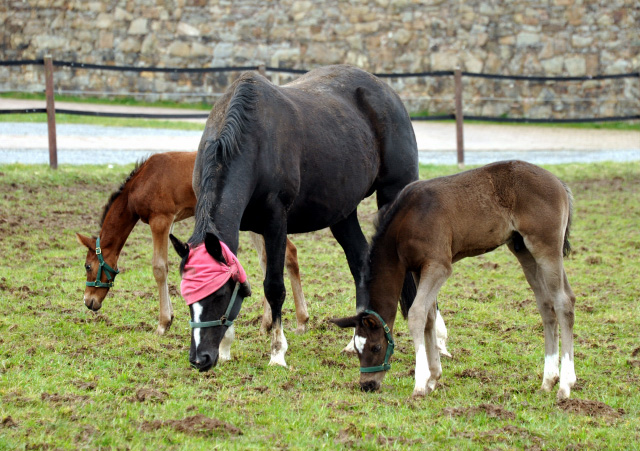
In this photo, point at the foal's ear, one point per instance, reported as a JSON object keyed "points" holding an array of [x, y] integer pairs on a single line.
{"points": [[89, 243], [213, 246], [350, 321], [181, 248]]}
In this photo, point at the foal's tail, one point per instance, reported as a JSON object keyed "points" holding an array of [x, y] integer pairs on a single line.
{"points": [[566, 246], [409, 292]]}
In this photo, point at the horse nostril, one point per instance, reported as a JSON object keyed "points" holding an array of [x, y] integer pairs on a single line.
{"points": [[368, 386]]}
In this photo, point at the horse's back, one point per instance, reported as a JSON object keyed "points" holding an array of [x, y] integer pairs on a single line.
{"points": [[163, 186], [478, 210]]}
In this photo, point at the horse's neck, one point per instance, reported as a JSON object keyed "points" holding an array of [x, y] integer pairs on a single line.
{"points": [[387, 279], [117, 225]]}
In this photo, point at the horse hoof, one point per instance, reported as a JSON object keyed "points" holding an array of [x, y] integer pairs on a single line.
{"points": [[548, 384], [419, 393], [301, 329], [277, 361], [161, 330], [350, 348], [563, 393]]}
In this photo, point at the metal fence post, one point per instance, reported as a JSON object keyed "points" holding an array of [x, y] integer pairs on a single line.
{"points": [[459, 117], [51, 112]]}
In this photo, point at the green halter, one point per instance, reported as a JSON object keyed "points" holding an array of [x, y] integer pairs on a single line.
{"points": [[387, 332], [108, 270], [224, 320]]}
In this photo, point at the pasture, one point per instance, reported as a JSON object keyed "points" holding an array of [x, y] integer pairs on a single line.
{"points": [[73, 379]]}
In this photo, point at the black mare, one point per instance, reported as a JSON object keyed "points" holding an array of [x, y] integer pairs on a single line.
{"points": [[292, 159]]}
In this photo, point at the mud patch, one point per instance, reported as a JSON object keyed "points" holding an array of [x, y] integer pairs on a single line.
{"points": [[55, 398], [491, 410], [194, 425], [589, 408], [474, 373], [149, 395], [7, 422]]}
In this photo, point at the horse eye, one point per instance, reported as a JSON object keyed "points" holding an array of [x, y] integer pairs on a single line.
{"points": [[87, 267], [376, 348]]}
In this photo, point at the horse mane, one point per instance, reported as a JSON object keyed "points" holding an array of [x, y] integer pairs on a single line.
{"points": [[382, 222], [117, 193], [218, 152]]}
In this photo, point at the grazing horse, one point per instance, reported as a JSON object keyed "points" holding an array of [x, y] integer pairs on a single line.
{"points": [[158, 192], [434, 223], [293, 159]]}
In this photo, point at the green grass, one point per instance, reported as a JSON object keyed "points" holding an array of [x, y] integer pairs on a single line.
{"points": [[72, 379]]}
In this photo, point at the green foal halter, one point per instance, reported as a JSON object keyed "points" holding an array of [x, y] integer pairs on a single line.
{"points": [[387, 332], [224, 320], [108, 271]]}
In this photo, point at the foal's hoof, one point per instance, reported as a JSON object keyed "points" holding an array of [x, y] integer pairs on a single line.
{"points": [[301, 329], [548, 384], [419, 393], [350, 348], [563, 393]]}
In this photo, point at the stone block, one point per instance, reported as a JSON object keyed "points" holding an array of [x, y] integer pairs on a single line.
{"points": [[187, 30], [179, 49], [576, 66], [138, 26]]}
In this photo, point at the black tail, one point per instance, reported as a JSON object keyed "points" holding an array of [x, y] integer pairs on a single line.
{"points": [[566, 246], [409, 292]]}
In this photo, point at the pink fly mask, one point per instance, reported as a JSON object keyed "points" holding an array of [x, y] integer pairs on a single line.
{"points": [[204, 275]]}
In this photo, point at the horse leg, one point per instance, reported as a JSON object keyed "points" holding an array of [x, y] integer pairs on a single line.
{"points": [[224, 350], [349, 235], [275, 246], [555, 300], [421, 320], [160, 226], [291, 263], [258, 244]]}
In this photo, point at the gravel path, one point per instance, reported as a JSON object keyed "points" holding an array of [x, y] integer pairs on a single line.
{"points": [[484, 143]]}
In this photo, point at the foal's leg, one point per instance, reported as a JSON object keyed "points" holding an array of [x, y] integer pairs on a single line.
{"points": [[160, 227], [349, 235], [555, 303], [421, 320], [275, 238], [291, 263], [224, 350]]}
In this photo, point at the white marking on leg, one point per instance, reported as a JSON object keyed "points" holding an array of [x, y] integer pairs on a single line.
{"points": [[422, 372], [197, 311], [551, 372], [224, 350], [359, 343], [567, 377], [279, 346], [441, 335]]}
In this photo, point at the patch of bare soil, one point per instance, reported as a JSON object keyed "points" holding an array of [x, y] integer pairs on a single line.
{"points": [[194, 425], [504, 434], [475, 373], [149, 395], [7, 422], [589, 408], [55, 398], [351, 436], [491, 410]]}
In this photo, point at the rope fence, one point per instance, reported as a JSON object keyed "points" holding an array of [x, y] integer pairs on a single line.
{"points": [[458, 116]]}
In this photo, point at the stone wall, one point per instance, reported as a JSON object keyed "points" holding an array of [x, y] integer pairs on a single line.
{"points": [[518, 37]]}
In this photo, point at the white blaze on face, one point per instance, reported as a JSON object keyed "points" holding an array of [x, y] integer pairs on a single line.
{"points": [[359, 343], [197, 311]]}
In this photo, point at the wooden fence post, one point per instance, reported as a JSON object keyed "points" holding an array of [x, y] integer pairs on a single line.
{"points": [[459, 117], [51, 112]]}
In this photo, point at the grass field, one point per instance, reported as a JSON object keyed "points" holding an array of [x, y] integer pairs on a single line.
{"points": [[72, 379]]}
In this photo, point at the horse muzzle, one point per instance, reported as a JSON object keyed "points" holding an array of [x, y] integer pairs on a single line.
{"points": [[92, 303], [371, 382], [204, 362]]}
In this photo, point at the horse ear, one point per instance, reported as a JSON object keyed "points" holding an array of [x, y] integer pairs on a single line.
{"points": [[213, 246], [181, 248], [350, 321], [89, 243], [245, 289], [370, 322]]}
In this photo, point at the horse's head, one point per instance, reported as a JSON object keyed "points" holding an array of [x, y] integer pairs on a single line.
{"points": [[374, 346], [213, 285], [100, 273]]}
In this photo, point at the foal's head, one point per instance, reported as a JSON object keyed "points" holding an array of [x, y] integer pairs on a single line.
{"points": [[374, 346], [213, 285], [100, 272]]}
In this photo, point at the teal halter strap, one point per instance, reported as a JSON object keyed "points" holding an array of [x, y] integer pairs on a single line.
{"points": [[390, 346], [224, 321], [108, 271]]}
